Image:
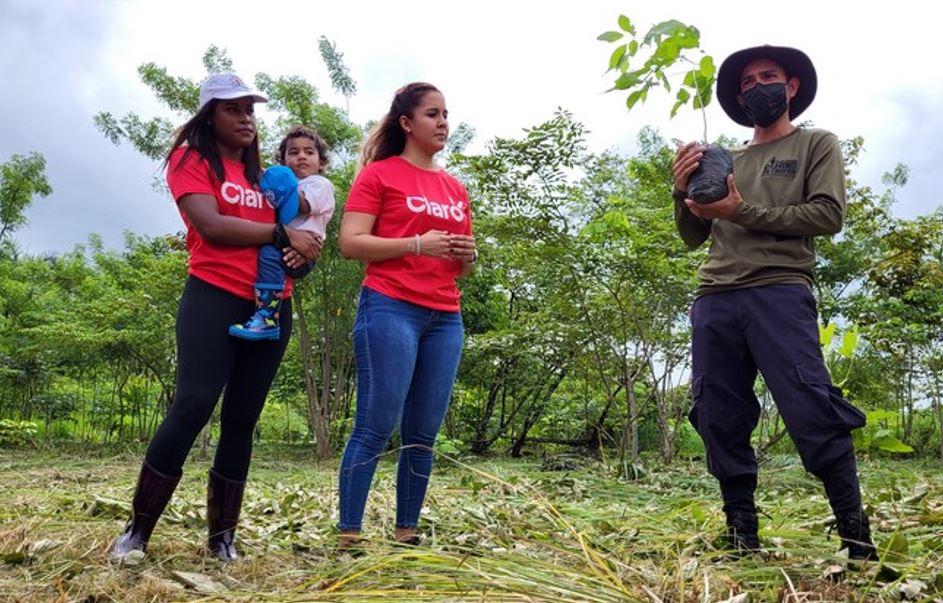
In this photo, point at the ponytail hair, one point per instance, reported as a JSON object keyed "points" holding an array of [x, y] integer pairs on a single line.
{"points": [[388, 139]]}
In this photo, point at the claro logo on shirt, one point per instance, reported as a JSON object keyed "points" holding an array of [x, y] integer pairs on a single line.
{"points": [[455, 210], [235, 194]]}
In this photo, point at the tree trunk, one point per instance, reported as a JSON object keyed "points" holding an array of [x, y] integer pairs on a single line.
{"points": [[340, 409], [326, 403], [632, 404], [316, 421], [205, 441], [939, 419], [518, 445], [536, 410], [909, 418], [480, 441], [666, 440], [938, 407]]}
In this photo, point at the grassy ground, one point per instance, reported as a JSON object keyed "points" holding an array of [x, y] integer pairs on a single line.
{"points": [[495, 530]]}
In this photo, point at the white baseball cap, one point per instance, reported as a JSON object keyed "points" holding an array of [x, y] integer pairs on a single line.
{"points": [[226, 86]]}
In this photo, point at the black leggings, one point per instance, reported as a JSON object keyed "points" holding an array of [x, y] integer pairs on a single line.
{"points": [[208, 359]]}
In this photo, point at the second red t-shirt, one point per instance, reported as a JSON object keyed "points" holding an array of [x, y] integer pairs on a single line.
{"points": [[408, 200]]}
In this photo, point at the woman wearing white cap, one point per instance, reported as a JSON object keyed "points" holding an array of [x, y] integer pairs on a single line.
{"points": [[213, 173]]}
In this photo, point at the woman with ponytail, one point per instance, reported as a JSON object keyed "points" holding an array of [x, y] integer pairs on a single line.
{"points": [[409, 221]]}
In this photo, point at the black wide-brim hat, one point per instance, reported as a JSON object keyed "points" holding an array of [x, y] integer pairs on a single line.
{"points": [[795, 63]]}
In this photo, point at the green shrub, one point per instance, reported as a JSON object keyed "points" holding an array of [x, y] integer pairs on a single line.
{"points": [[925, 437], [449, 446], [878, 434], [15, 434]]}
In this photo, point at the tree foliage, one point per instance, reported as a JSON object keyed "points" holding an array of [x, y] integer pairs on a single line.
{"points": [[575, 318], [22, 179], [667, 44], [341, 79]]}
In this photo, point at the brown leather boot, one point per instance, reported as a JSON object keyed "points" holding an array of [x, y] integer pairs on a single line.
{"points": [[153, 491], [223, 502]]}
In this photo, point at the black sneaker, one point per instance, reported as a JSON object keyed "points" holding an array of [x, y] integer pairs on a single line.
{"points": [[855, 532], [742, 528]]}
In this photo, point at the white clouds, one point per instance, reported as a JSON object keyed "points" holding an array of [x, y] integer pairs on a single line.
{"points": [[52, 63], [503, 66]]}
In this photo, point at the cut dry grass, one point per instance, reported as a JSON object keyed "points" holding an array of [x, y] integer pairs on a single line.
{"points": [[496, 530]]}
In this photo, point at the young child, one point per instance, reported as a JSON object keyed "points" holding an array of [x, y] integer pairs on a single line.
{"points": [[303, 199]]}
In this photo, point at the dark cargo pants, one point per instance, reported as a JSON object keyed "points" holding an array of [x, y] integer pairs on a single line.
{"points": [[772, 329]]}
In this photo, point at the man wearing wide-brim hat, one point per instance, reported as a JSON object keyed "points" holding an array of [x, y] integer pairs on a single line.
{"points": [[754, 309]]}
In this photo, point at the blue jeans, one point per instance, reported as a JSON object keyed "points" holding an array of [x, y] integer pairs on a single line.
{"points": [[272, 269], [407, 358]]}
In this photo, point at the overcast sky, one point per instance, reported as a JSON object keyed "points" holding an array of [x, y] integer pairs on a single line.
{"points": [[502, 65]]}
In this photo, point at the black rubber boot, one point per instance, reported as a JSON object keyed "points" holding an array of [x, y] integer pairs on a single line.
{"points": [[223, 502], [153, 491], [742, 532], [742, 524], [855, 531]]}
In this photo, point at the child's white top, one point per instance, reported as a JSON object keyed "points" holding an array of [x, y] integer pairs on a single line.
{"points": [[319, 193]]}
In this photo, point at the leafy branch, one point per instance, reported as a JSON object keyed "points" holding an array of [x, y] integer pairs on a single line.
{"points": [[341, 79], [666, 45]]}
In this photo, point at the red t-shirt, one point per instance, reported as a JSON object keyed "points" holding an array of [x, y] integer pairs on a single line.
{"points": [[229, 267], [409, 200]]}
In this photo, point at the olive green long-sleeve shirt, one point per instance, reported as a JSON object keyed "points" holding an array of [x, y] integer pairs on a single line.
{"points": [[792, 189]]}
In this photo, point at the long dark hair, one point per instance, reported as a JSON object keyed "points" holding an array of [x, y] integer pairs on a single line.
{"points": [[199, 138], [387, 138]]}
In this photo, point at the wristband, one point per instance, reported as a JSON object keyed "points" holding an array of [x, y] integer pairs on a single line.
{"points": [[418, 244], [280, 238]]}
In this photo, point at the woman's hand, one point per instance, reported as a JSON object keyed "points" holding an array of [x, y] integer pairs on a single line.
{"points": [[436, 244], [462, 247], [304, 243]]}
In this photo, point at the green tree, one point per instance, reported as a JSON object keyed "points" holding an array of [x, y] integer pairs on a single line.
{"points": [[844, 261], [341, 79], [638, 283], [882, 273], [902, 315], [295, 101], [292, 98], [527, 339], [22, 178], [111, 313]]}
